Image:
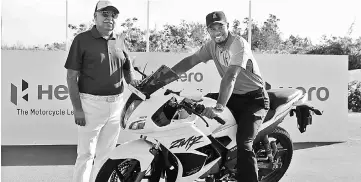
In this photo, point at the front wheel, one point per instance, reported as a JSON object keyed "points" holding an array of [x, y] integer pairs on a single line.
{"points": [[119, 170], [282, 151]]}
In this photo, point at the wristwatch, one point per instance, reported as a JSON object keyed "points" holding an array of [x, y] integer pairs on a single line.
{"points": [[219, 107]]}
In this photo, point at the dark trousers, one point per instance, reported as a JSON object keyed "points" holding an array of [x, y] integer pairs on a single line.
{"points": [[249, 111]]}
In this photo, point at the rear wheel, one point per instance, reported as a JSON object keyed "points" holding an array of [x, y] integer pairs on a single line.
{"points": [[119, 171], [282, 151], [269, 171]]}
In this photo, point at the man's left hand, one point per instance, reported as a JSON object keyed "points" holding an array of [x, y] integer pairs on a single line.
{"points": [[211, 112]]}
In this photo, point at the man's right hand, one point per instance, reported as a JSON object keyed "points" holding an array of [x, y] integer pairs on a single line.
{"points": [[135, 83], [79, 118]]}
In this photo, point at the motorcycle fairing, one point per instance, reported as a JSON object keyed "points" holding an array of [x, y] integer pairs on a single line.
{"points": [[281, 102], [161, 77], [181, 138], [135, 149]]}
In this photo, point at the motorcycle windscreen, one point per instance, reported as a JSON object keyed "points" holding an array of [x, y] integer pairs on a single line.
{"points": [[157, 80]]}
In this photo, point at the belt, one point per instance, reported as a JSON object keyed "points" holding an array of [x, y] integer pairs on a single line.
{"points": [[107, 98]]}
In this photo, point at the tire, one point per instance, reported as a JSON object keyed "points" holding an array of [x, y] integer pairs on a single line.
{"points": [[283, 137], [124, 170]]}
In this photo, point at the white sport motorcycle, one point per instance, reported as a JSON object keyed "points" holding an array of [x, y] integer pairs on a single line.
{"points": [[179, 145]]}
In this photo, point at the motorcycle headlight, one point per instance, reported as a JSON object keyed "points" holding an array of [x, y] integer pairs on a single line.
{"points": [[137, 125], [129, 111]]}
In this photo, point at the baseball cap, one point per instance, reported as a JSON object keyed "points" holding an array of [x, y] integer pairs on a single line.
{"points": [[106, 4], [216, 17]]}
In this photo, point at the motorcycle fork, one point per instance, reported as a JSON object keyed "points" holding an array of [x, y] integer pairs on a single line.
{"points": [[156, 173], [160, 165], [168, 170]]}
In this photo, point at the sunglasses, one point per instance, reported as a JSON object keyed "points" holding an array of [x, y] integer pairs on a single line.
{"points": [[107, 14]]}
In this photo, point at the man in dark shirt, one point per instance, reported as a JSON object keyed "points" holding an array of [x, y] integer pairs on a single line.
{"points": [[96, 65]]}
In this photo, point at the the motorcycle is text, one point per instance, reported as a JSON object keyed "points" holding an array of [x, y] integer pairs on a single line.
{"points": [[188, 143]]}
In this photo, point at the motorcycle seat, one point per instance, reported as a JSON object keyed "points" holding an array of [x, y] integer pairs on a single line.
{"points": [[281, 96]]}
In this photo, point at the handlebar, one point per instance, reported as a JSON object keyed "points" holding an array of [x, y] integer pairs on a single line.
{"points": [[137, 69], [193, 107], [220, 120], [198, 110]]}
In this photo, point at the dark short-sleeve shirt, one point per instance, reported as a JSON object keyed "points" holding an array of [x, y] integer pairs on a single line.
{"points": [[99, 62]]}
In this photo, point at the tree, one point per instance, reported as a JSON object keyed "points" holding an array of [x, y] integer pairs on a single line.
{"points": [[80, 28], [55, 46], [174, 39], [270, 33], [256, 37], [236, 29], [296, 45], [264, 38], [340, 46], [197, 33], [354, 97], [133, 35], [186, 37]]}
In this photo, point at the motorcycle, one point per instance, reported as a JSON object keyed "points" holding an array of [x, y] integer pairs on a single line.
{"points": [[178, 144]]}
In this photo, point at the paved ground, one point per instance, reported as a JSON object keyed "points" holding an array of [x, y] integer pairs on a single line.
{"points": [[312, 162], [330, 163]]}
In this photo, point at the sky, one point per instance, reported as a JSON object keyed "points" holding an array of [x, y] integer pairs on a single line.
{"points": [[39, 22]]}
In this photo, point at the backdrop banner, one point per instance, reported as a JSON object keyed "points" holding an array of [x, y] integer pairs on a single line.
{"points": [[36, 108]]}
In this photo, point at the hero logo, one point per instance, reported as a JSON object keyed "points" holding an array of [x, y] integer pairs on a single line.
{"points": [[14, 92], [60, 92], [322, 93], [198, 77]]}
